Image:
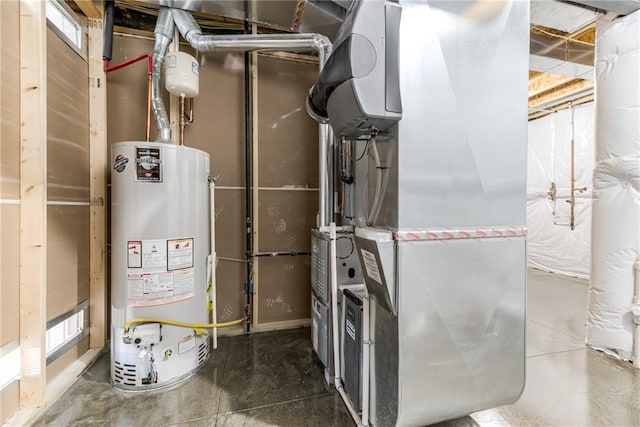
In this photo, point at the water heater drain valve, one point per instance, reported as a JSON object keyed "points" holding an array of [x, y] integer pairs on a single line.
{"points": [[143, 335]]}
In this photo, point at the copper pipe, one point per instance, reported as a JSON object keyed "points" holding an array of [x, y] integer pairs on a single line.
{"points": [[148, 126], [572, 198], [182, 121], [189, 118]]}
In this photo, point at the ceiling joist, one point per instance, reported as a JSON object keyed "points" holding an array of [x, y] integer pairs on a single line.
{"points": [[89, 8]]}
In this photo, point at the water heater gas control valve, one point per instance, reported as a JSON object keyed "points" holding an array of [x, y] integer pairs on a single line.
{"points": [[144, 335]]}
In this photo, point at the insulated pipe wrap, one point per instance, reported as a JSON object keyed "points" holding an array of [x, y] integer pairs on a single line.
{"points": [[616, 186]]}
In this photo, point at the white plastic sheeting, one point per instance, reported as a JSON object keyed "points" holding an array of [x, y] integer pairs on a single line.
{"points": [[616, 207], [552, 245]]}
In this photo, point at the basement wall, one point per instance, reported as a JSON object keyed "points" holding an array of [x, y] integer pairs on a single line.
{"points": [[287, 153], [67, 191], [67, 188], [9, 193], [552, 245]]}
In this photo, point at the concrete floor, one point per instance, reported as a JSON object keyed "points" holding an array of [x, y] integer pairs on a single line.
{"points": [[272, 379]]}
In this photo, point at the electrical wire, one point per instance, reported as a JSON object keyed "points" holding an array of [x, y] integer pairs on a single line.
{"points": [[366, 147], [141, 320]]}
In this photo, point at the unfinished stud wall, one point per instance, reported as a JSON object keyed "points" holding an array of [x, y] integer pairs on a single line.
{"points": [[28, 299], [288, 175], [287, 142], [67, 187], [218, 129], [9, 192]]}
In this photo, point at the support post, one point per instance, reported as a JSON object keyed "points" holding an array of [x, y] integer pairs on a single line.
{"points": [[98, 167], [33, 202]]}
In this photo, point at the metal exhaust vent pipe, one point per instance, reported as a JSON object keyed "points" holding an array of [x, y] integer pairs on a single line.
{"points": [[163, 36], [192, 33]]}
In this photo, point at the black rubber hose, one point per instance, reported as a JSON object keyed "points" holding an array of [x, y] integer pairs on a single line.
{"points": [[107, 44]]}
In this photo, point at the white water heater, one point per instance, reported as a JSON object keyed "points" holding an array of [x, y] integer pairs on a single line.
{"points": [[159, 251]]}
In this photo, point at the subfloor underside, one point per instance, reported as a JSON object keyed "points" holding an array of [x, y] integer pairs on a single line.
{"points": [[273, 379]]}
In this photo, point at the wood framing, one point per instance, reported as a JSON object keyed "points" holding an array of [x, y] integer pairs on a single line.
{"points": [[572, 88], [33, 201], [545, 82], [255, 319], [583, 100], [98, 168], [89, 8]]}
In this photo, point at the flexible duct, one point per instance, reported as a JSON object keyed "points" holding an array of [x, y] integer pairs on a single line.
{"points": [[163, 36]]}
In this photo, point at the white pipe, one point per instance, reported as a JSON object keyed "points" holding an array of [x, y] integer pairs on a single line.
{"points": [[365, 361], [347, 402], [212, 243], [635, 310], [348, 228], [334, 324], [334, 301]]}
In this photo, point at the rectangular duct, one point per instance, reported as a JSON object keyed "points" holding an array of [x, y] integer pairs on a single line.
{"points": [[621, 7]]}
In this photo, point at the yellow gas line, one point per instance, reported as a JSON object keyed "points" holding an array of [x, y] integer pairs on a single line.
{"points": [[141, 320]]}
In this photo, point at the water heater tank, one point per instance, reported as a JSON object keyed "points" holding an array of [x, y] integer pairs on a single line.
{"points": [[182, 74], [159, 250]]}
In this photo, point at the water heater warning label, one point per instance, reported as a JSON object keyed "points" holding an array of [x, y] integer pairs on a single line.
{"points": [[160, 271], [134, 254], [154, 255], [179, 254], [160, 288]]}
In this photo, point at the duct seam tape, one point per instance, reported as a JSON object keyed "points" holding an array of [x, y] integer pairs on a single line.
{"points": [[449, 234]]}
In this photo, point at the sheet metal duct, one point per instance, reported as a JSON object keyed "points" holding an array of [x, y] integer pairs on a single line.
{"points": [[448, 319], [560, 56], [621, 7], [561, 49], [315, 16], [561, 16], [545, 64]]}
